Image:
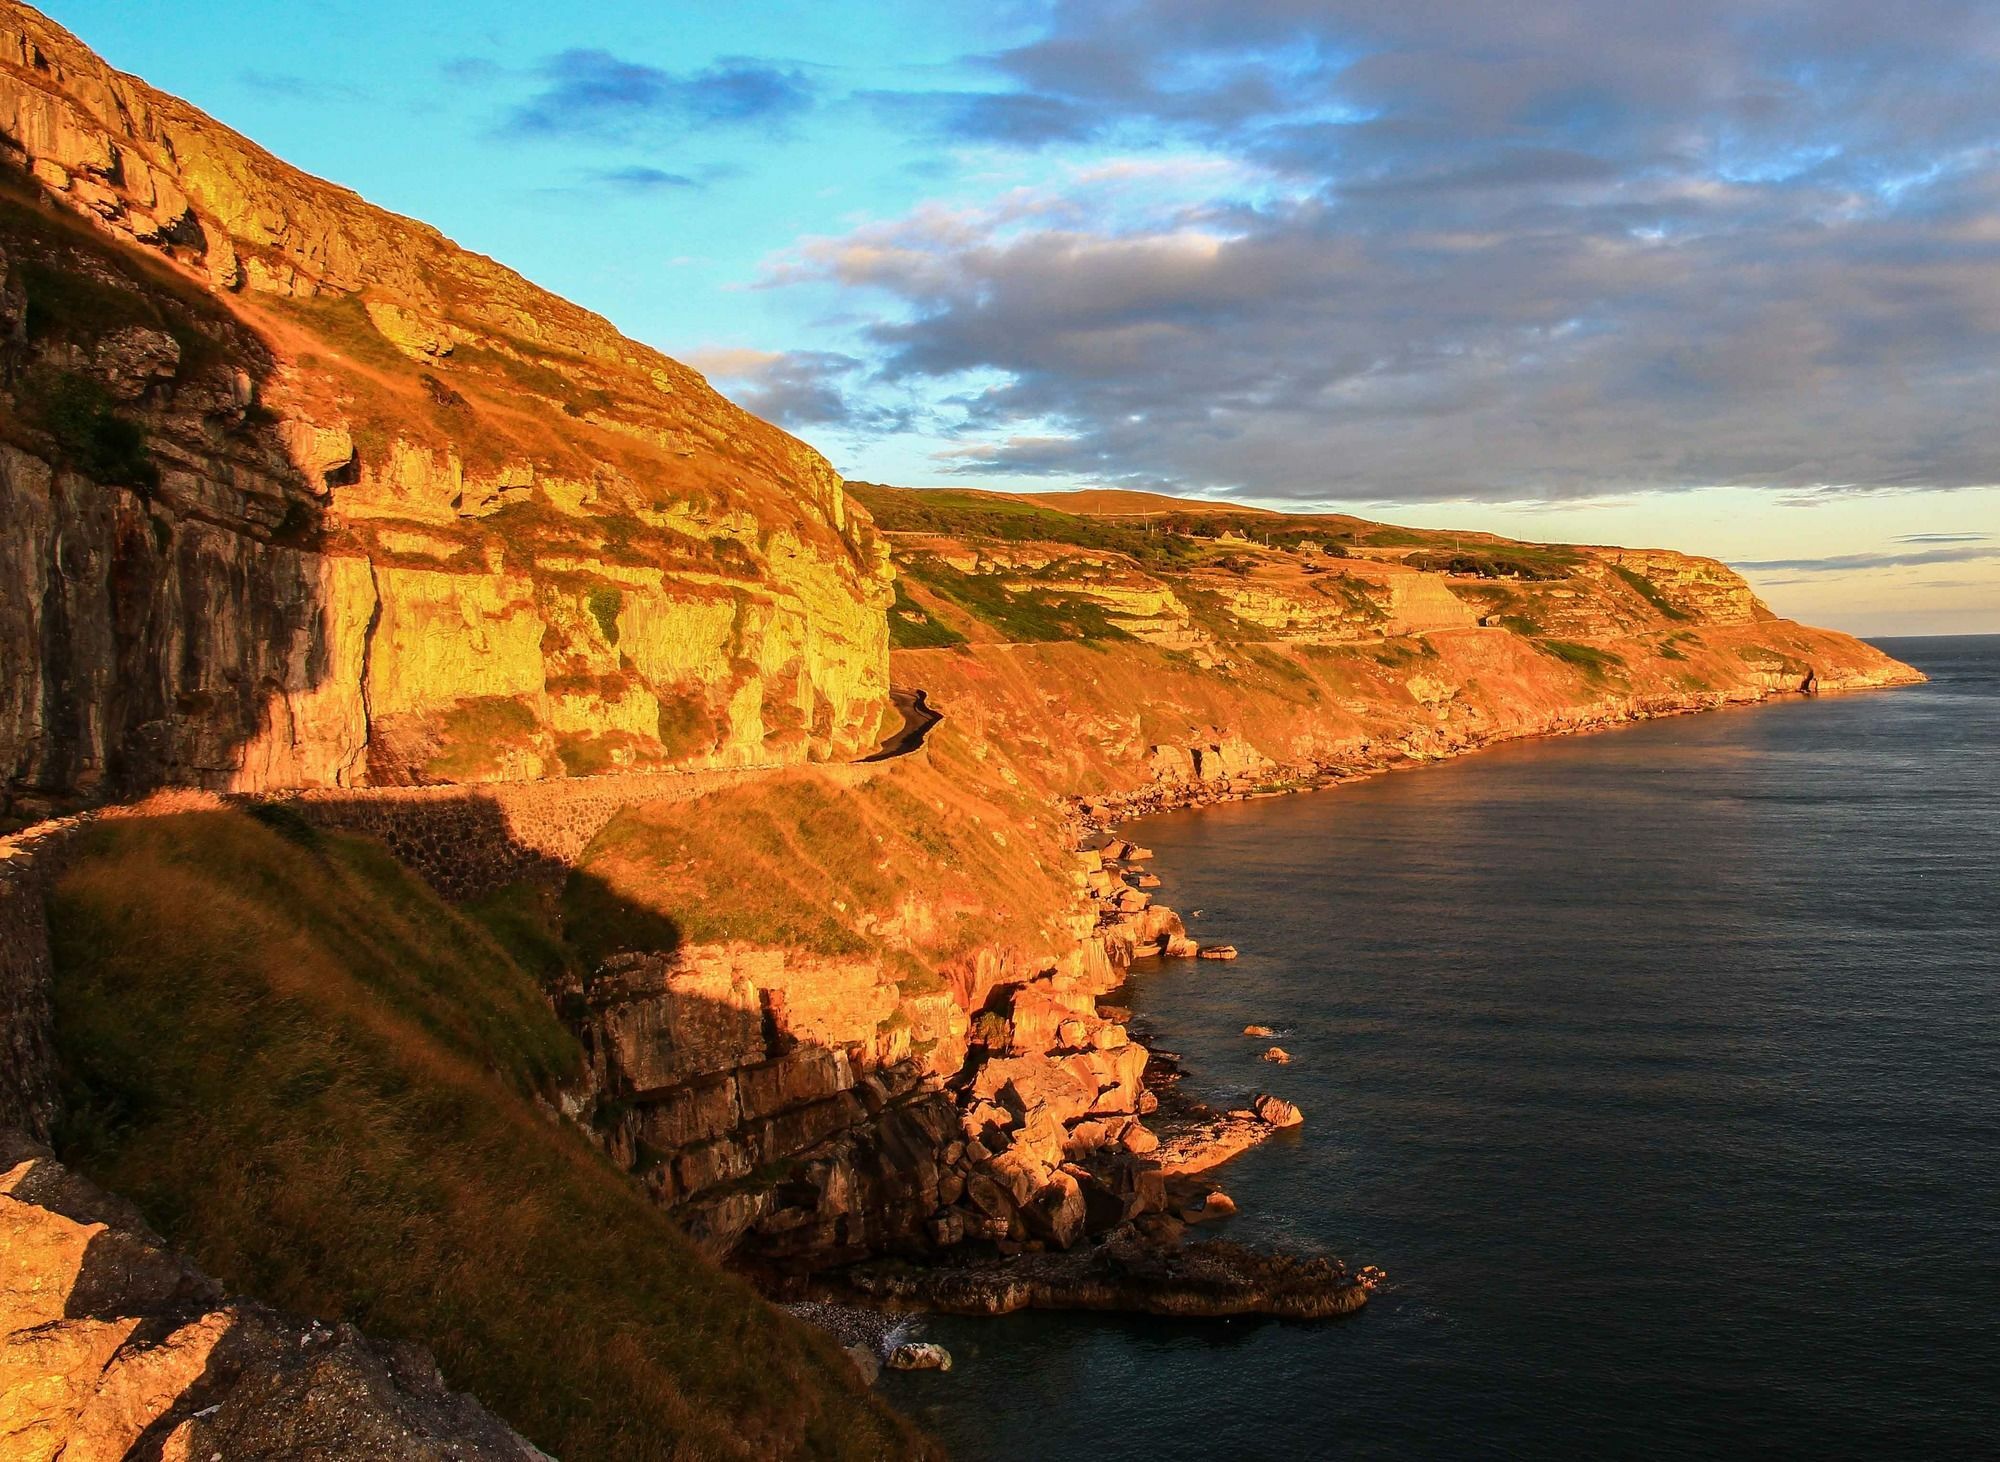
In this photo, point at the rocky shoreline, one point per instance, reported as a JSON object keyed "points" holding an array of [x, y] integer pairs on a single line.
{"points": [[1149, 1262], [1142, 1272], [1141, 1258]]}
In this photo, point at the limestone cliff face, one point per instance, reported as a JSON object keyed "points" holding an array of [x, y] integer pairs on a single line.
{"points": [[1310, 643], [298, 493], [780, 1079]]}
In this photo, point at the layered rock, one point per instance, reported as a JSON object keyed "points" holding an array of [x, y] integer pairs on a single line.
{"points": [[113, 1346], [298, 493]]}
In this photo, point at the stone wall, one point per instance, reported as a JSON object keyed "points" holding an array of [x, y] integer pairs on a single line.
{"points": [[466, 841], [29, 865]]}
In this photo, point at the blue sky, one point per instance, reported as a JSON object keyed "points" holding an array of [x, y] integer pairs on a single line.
{"points": [[1718, 276]]}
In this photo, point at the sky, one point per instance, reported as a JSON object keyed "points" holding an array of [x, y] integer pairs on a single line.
{"points": [[1716, 275]]}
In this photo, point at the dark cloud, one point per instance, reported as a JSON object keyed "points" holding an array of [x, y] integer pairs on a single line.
{"points": [[799, 389], [1542, 249], [1020, 119], [1848, 562], [638, 178], [595, 93], [1944, 537]]}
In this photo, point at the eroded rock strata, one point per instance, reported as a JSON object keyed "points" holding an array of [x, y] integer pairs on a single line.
{"points": [[294, 492], [298, 498]]}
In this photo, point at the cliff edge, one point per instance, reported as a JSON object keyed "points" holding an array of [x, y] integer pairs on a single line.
{"points": [[295, 492]]}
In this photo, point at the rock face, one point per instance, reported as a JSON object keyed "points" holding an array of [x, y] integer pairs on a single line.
{"points": [[297, 493], [112, 1346]]}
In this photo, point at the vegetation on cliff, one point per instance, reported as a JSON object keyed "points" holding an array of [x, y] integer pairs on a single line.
{"points": [[330, 1089], [381, 484]]}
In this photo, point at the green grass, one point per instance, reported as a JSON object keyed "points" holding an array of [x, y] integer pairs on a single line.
{"points": [[1158, 541], [801, 861], [478, 733], [1025, 616], [320, 1080], [1596, 664], [761, 875], [912, 627], [1500, 561], [1650, 592], [89, 433]]}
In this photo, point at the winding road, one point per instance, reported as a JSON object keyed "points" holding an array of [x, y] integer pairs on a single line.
{"points": [[918, 718]]}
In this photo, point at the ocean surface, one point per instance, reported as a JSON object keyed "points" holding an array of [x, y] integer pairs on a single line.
{"points": [[1659, 1068]]}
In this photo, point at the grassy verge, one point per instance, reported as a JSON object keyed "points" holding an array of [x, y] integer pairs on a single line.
{"points": [[1646, 589], [905, 869], [322, 1081]]}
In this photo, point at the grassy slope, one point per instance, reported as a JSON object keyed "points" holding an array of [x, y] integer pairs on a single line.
{"points": [[319, 1079], [928, 863]]}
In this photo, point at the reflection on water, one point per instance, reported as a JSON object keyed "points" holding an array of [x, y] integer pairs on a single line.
{"points": [[1659, 1068]]}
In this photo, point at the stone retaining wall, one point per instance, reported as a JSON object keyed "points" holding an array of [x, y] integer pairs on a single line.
{"points": [[468, 840], [29, 863], [465, 841]]}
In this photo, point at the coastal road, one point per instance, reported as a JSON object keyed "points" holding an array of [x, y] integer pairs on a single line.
{"points": [[918, 718]]}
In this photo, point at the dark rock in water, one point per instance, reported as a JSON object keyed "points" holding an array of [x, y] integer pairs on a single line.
{"points": [[919, 1355], [1127, 1272], [1278, 1112]]}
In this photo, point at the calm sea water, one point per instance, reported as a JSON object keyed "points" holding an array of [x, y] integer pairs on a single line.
{"points": [[1659, 1068]]}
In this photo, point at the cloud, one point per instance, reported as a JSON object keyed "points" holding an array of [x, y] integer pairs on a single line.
{"points": [[1849, 562], [1017, 119], [638, 178], [303, 88], [1943, 537], [1569, 248], [799, 389], [593, 93]]}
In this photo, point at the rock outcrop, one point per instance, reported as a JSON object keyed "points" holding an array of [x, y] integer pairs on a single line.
{"points": [[113, 1346], [297, 493]]}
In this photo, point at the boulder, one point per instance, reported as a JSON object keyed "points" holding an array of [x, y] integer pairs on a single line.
{"points": [[1277, 1112], [1277, 1056], [131, 360], [1056, 1213], [1262, 1032], [865, 1362], [1219, 951], [919, 1355]]}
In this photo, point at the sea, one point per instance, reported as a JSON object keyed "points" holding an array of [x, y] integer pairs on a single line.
{"points": [[1659, 1068]]}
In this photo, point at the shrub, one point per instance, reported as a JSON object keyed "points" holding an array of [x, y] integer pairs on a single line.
{"points": [[605, 602], [1596, 664], [1650, 592], [89, 434]]}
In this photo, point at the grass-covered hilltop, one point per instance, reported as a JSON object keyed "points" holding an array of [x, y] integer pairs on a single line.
{"points": [[486, 917]]}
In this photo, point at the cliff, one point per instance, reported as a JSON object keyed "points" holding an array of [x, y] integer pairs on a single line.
{"points": [[304, 502], [938, 932], [336, 1094], [1183, 649], [294, 492]]}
